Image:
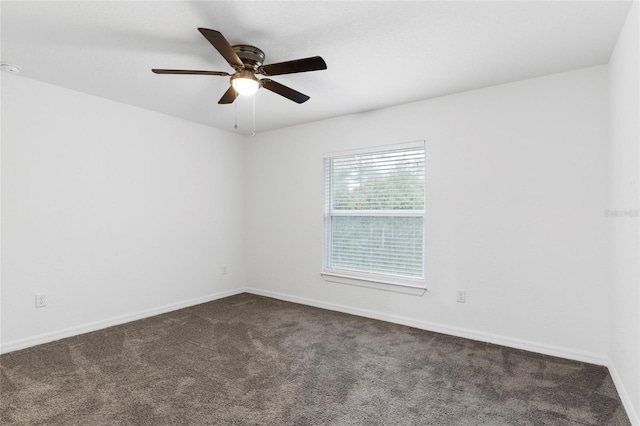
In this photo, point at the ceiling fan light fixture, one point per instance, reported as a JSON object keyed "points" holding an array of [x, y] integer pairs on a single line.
{"points": [[245, 83]]}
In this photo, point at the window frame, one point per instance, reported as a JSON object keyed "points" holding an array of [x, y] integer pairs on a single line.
{"points": [[381, 281]]}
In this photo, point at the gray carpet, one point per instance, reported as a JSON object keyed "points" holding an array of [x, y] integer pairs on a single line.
{"points": [[251, 360]]}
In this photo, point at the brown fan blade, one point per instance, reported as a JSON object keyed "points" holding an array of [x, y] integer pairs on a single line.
{"points": [[221, 44], [229, 96], [315, 63], [285, 91], [161, 71]]}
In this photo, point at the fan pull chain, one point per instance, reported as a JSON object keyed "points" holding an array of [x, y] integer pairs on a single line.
{"points": [[253, 135], [235, 125]]}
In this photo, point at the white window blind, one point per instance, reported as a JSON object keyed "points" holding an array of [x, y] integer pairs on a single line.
{"points": [[374, 214]]}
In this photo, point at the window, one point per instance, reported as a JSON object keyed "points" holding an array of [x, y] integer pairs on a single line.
{"points": [[374, 215]]}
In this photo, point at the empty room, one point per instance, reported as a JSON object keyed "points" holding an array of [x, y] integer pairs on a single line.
{"points": [[320, 213]]}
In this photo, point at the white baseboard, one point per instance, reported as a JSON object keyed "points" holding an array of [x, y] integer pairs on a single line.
{"points": [[557, 351], [98, 325], [424, 325], [633, 415]]}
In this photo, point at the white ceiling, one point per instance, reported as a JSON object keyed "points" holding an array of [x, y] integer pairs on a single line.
{"points": [[378, 53]]}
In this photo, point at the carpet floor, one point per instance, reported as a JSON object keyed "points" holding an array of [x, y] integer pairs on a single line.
{"points": [[252, 360]]}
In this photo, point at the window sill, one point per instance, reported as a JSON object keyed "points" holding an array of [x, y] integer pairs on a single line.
{"points": [[414, 290]]}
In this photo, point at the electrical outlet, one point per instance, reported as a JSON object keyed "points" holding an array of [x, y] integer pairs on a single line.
{"points": [[224, 270], [41, 300], [461, 296]]}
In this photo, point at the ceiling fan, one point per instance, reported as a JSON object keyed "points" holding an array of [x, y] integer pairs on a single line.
{"points": [[247, 61]]}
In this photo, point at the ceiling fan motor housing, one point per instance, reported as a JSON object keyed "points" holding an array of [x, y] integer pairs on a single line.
{"points": [[251, 56]]}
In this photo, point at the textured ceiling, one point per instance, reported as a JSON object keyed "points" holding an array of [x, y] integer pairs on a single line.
{"points": [[378, 53]]}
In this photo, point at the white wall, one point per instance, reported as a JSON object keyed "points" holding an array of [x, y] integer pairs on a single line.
{"points": [[625, 196], [113, 211], [516, 189]]}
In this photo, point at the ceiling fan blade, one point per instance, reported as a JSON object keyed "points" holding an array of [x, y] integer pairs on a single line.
{"points": [[285, 91], [222, 45], [162, 71], [314, 63], [229, 96]]}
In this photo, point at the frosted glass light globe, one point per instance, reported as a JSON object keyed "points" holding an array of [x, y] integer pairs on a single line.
{"points": [[245, 86]]}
